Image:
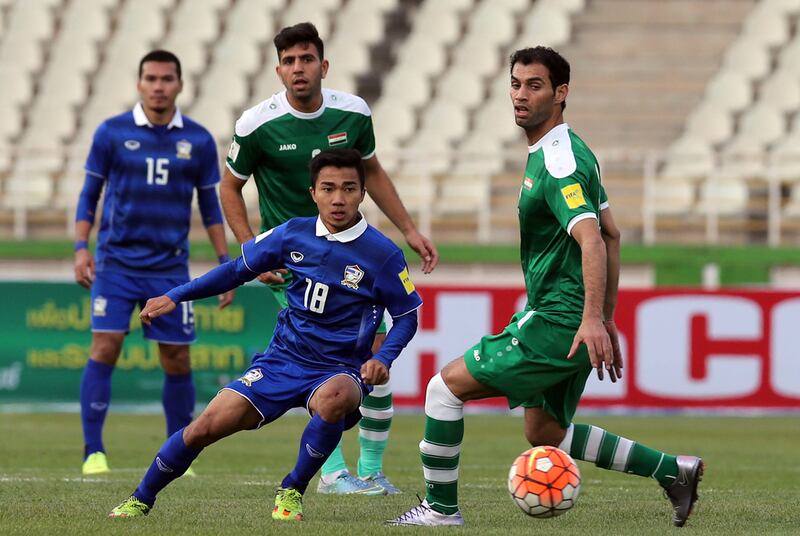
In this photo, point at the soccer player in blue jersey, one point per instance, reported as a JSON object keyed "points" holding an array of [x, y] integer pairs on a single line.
{"points": [[346, 274], [150, 161]]}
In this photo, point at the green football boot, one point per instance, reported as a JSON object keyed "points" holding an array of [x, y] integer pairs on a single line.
{"points": [[95, 464], [288, 505], [130, 507]]}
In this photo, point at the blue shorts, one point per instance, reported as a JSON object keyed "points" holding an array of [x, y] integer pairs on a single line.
{"points": [[114, 296], [274, 385]]}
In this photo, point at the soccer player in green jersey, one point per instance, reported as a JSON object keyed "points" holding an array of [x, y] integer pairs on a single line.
{"points": [[274, 142], [542, 359]]}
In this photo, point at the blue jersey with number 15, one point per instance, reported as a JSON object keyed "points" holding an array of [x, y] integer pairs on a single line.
{"points": [[150, 174], [342, 284]]}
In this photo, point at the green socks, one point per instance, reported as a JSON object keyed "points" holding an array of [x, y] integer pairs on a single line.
{"points": [[373, 429]]}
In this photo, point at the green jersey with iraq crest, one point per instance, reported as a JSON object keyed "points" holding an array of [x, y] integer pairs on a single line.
{"points": [[274, 143], [561, 187]]}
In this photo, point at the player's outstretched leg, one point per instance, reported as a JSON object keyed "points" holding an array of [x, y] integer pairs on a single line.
{"points": [[439, 450], [679, 476], [95, 396], [171, 462], [373, 436]]}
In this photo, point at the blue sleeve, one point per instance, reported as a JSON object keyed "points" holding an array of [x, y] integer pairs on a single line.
{"points": [[264, 252], [403, 330], [98, 163], [87, 200], [394, 289], [209, 164], [221, 279], [208, 202]]}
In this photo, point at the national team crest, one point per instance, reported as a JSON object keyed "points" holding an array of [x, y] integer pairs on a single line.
{"points": [[184, 149], [353, 274], [99, 306], [339, 138], [251, 376]]}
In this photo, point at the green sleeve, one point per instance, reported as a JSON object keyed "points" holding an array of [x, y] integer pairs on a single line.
{"points": [[243, 155], [365, 142], [572, 198], [603, 198]]}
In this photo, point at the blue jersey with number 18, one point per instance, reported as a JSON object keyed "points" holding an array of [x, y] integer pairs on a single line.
{"points": [[342, 284], [150, 173]]}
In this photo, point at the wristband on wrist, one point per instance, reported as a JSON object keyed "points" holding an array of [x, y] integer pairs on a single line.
{"points": [[224, 258], [81, 244]]}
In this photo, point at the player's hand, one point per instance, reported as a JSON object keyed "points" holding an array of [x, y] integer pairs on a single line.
{"points": [[593, 334], [273, 277], [84, 268], [373, 372], [615, 371], [226, 298], [425, 249], [156, 307]]}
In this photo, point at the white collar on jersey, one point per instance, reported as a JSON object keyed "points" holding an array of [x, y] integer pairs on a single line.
{"points": [[555, 132], [348, 235], [303, 115], [141, 120]]}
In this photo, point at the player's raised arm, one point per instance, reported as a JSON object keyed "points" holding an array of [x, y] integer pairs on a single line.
{"points": [[383, 192]]}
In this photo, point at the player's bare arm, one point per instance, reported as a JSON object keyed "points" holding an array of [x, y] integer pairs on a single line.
{"points": [[612, 238], [216, 235], [232, 200], [156, 307], [84, 260], [383, 192], [592, 332]]}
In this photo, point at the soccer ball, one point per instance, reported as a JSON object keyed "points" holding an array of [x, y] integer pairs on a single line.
{"points": [[544, 482]]}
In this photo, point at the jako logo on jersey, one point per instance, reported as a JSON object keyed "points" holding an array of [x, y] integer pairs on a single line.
{"points": [[313, 452], [251, 376], [99, 306], [132, 145], [183, 149], [352, 275], [337, 139], [287, 147], [296, 256], [476, 354], [163, 467]]}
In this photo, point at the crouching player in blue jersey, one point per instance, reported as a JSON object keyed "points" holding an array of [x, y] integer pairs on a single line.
{"points": [[150, 161], [346, 274]]}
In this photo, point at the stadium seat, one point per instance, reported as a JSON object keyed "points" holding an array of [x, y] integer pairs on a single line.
{"points": [[466, 194], [490, 25], [766, 26], [476, 56], [25, 190], [792, 208], [238, 56], [140, 23], [782, 91], [762, 124], [439, 24], [710, 123], [226, 88], [742, 158], [786, 7], [784, 159], [496, 118], [192, 53], [688, 158], [748, 57], [63, 88], [425, 154], [359, 26], [730, 90], [309, 10], [193, 22], [416, 191], [217, 118], [422, 54], [347, 56], [50, 121], [545, 25], [444, 119], [406, 86], [393, 122], [673, 197], [341, 80], [25, 55], [10, 121], [30, 21], [17, 85], [250, 21], [724, 197], [266, 84], [461, 87], [88, 21], [568, 6]]}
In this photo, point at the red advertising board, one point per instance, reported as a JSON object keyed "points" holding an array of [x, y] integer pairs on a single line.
{"points": [[683, 349]]}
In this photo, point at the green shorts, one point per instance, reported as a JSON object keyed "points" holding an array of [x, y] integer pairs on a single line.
{"points": [[528, 363], [279, 292]]}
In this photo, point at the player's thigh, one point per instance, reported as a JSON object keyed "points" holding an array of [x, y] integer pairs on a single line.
{"points": [[176, 327], [114, 297], [336, 397], [542, 428], [463, 384], [226, 414], [175, 358]]}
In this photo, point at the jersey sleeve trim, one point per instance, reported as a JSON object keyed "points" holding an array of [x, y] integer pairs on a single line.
{"points": [[94, 174], [370, 155], [207, 186], [407, 312], [244, 260], [604, 205], [236, 173], [579, 217]]}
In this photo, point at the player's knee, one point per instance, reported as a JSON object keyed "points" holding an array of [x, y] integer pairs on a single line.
{"points": [[545, 436], [175, 359], [440, 402], [333, 407], [105, 351], [352, 419], [201, 433]]}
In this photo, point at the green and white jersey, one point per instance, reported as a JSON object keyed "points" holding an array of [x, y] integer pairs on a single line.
{"points": [[274, 143], [561, 187]]}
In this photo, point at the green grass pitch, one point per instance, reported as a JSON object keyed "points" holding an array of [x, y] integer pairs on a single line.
{"points": [[751, 487]]}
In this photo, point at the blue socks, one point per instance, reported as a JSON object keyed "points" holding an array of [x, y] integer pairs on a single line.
{"points": [[178, 400], [316, 444], [171, 462], [95, 396]]}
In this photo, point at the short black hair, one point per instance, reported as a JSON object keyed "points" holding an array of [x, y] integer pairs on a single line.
{"points": [[556, 64], [338, 158], [161, 56], [304, 32]]}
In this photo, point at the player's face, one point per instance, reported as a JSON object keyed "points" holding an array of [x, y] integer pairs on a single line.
{"points": [[301, 71], [159, 86], [534, 99], [338, 193]]}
